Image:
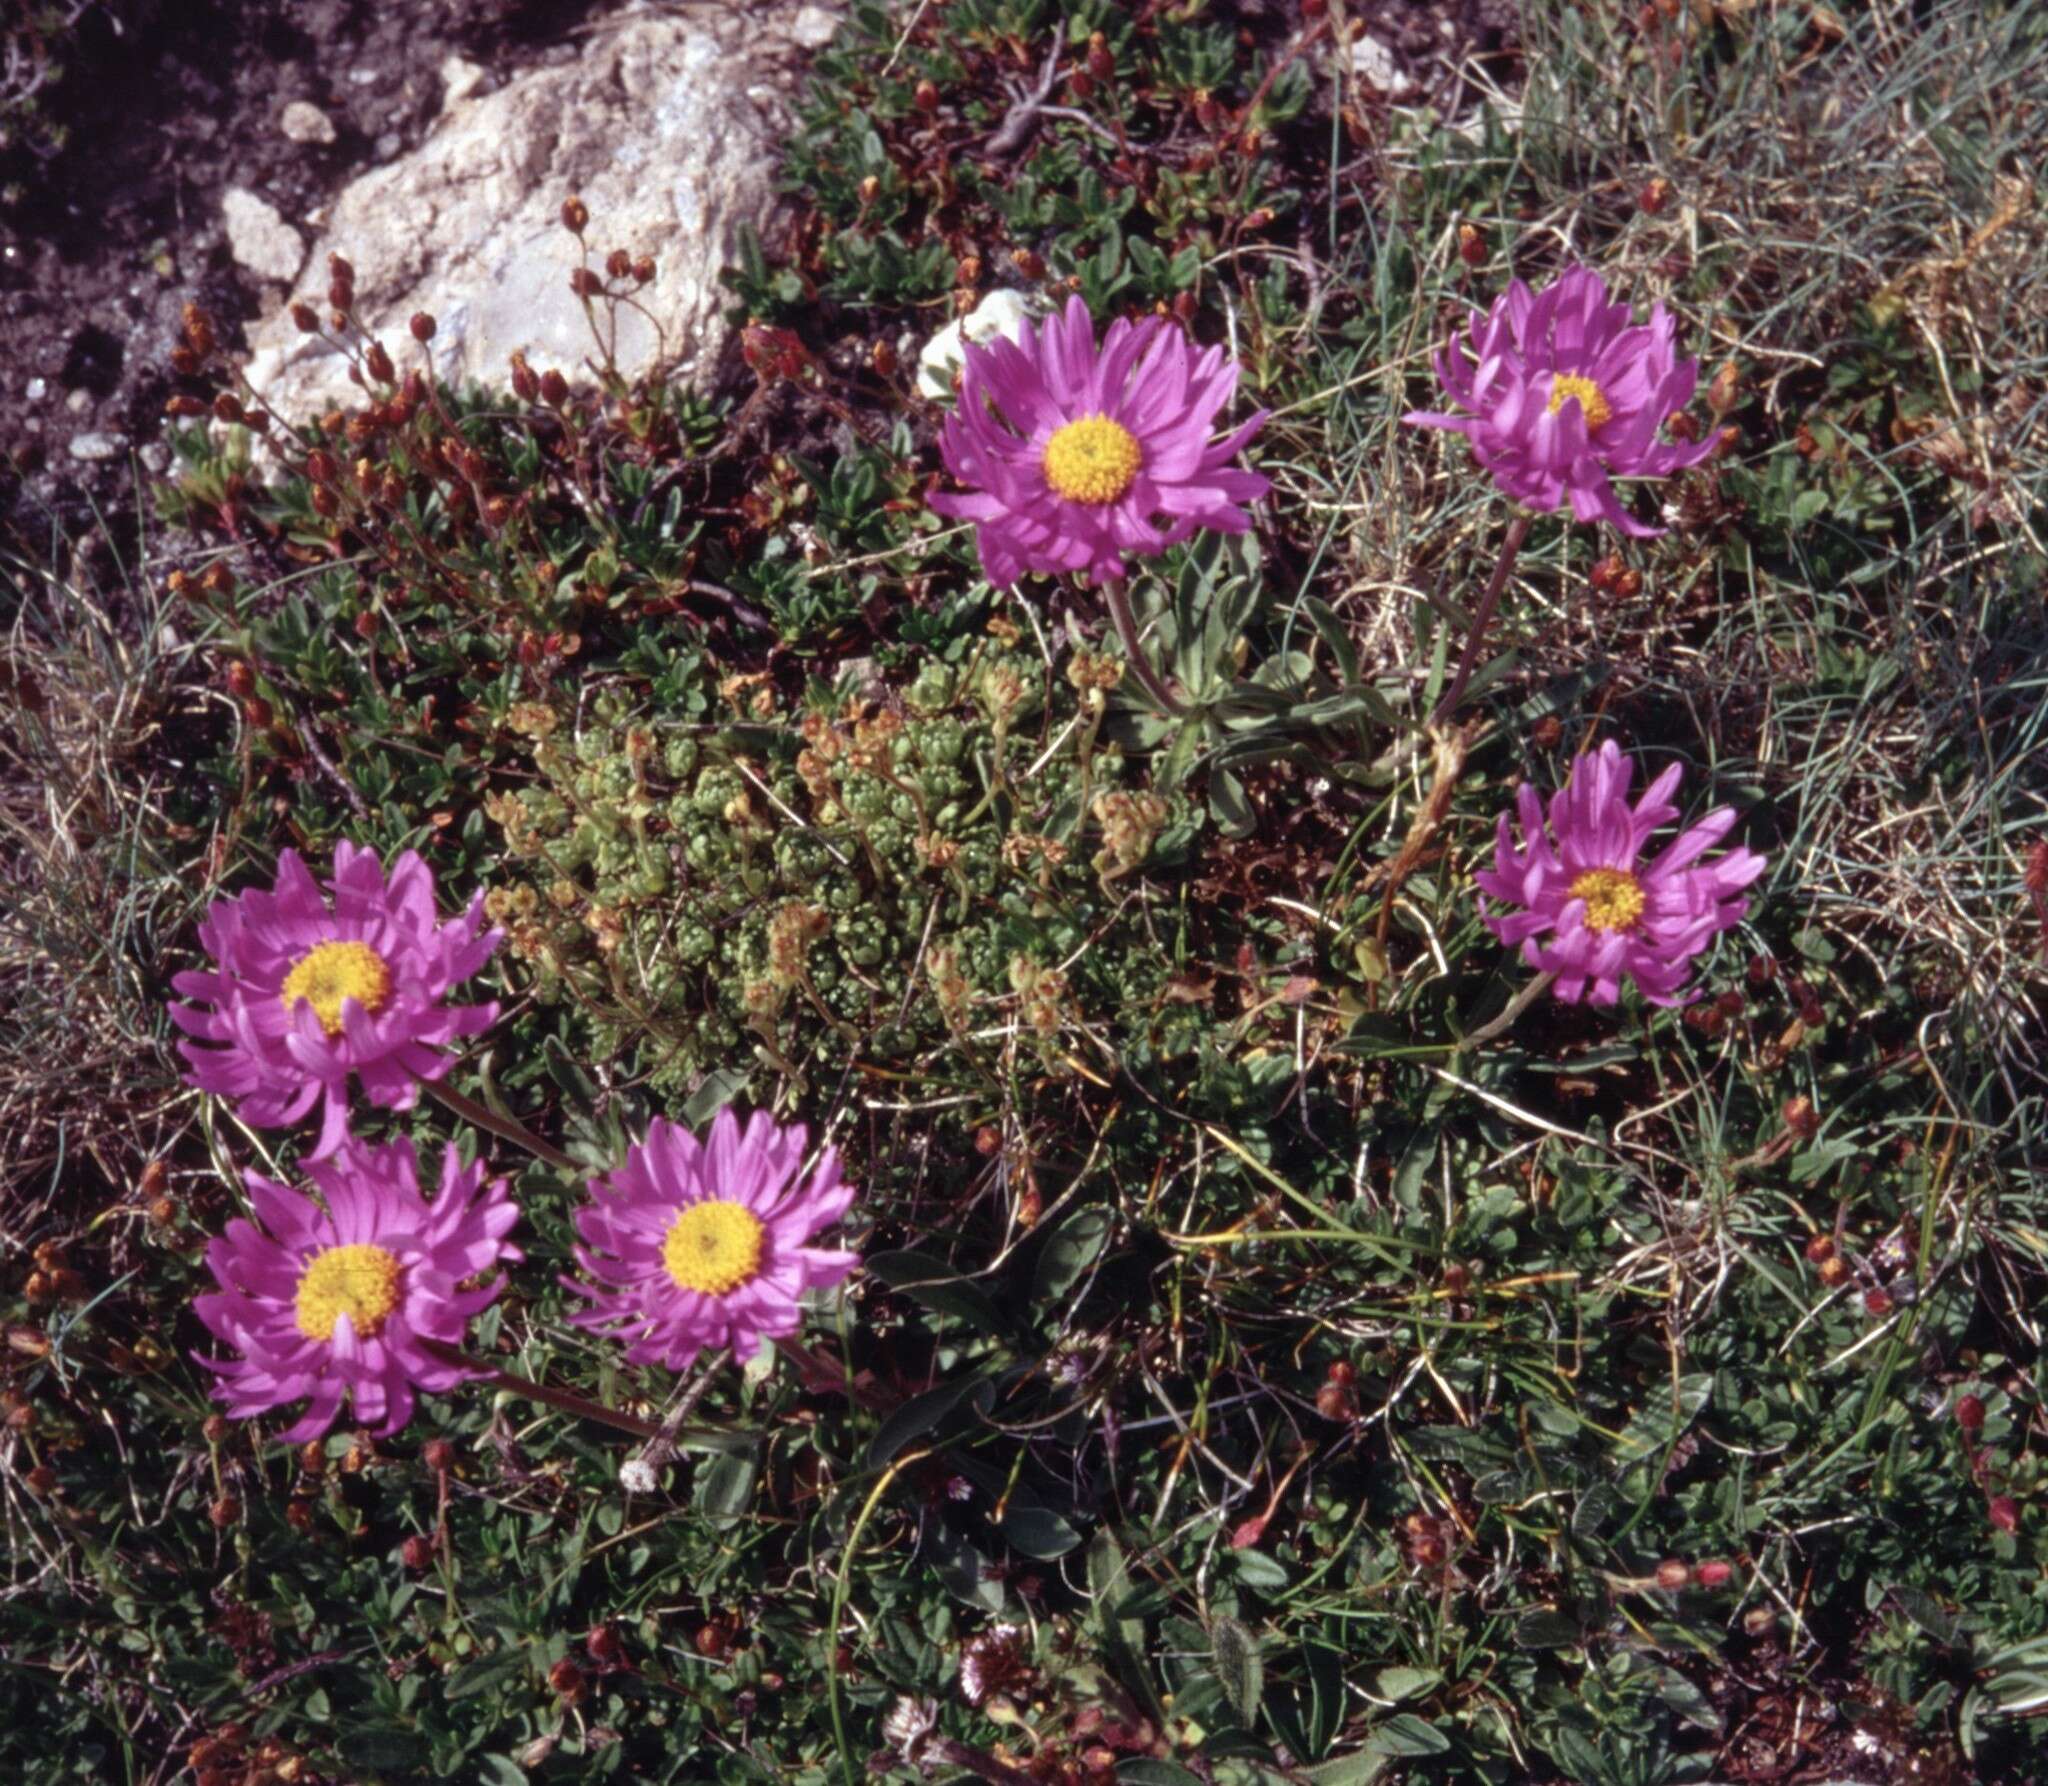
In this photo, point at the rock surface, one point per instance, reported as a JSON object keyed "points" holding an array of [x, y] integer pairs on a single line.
{"points": [[306, 123], [259, 238], [666, 125]]}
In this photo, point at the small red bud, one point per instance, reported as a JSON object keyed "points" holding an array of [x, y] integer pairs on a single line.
{"points": [[241, 683], [2003, 1512], [417, 1552], [1834, 1271], [575, 215], [1672, 1574], [1970, 1413], [1820, 1249], [585, 283], [1714, 1575], [925, 96], [298, 1514], [1801, 1117], [1341, 1371], [215, 1428], [1080, 84], [42, 1481], [1654, 197], [618, 263], [257, 713], [713, 1640], [1101, 64], [554, 388], [179, 404], [379, 363], [306, 318], [224, 1512], [1877, 1303], [566, 1679], [1472, 248], [605, 1646], [1334, 1401], [422, 326], [438, 1455], [643, 270]]}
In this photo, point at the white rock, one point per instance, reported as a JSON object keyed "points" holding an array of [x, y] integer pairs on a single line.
{"points": [[38, 389], [653, 125], [1374, 64], [95, 446], [305, 122], [259, 238], [460, 78], [1002, 313]]}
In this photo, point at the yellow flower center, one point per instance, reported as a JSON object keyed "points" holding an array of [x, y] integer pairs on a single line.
{"points": [[331, 972], [1092, 460], [713, 1248], [1593, 404], [1613, 896], [360, 1282]]}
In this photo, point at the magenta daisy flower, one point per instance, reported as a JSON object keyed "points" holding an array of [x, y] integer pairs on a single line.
{"points": [[304, 996], [1566, 395], [699, 1244], [1076, 455], [1592, 910], [338, 1297]]}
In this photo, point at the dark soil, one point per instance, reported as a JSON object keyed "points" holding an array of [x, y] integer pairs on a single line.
{"points": [[165, 104]]}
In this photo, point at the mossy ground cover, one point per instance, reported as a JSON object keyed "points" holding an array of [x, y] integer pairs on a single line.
{"points": [[1266, 1366]]}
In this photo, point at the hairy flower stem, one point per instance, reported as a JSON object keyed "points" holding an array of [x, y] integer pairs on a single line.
{"points": [[566, 1400], [1482, 620], [504, 1127], [1141, 666]]}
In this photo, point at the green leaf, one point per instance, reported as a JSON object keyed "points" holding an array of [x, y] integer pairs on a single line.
{"points": [[918, 1416], [725, 1486], [1071, 1249], [1234, 1650], [1406, 1734], [1658, 1423], [1145, 1771], [1229, 806], [717, 1089], [1038, 1532], [1405, 1683], [1351, 1770], [938, 1287]]}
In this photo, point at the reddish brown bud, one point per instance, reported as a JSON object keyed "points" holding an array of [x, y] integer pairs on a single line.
{"points": [[1683, 426], [1714, 1575], [554, 388], [379, 363], [216, 1428], [257, 420], [925, 97], [606, 1647], [257, 713], [1725, 391], [575, 215], [2003, 1512], [1820, 1249], [566, 1679], [1970, 1413], [1834, 1271], [438, 1455], [1456, 1278], [713, 1640], [1341, 1371], [240, 680], [883, 358], [198, 330], [585, 283], [179, 404], [525, 385], [228, 407], [1472, 248], [325, 502], [42, 1480], [1654, 197], [184, 362], [417, 1552], [618, 263], [1877, 1303], [644, 270], [1801, 1117], [313, 1457], [422, 326], [1546, 733], [1334, 1401], [224, 1512], [1081, 84], [1185, 308], [1672, 1574], [1101, 64], [306, 318], [298, 1514], [162, 1211]]}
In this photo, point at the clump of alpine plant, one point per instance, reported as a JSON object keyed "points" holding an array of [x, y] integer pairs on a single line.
{"points": [[1585, 903], [358, 1295], [699, 1244], [311, 987]]}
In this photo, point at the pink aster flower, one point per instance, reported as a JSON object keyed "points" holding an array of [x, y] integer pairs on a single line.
{"points": [[698, 1244], [304, 996], [1566, 395], [1076, 455], [338, 1297], [1592, 909]]}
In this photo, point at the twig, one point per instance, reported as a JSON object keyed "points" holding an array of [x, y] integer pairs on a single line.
{"points": [[1015, 130]]}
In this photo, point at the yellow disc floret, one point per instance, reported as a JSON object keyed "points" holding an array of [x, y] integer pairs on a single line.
{"points": [[360, 1282], [1593, 404], [331, 972], [1092, 460], [714, 1247], [1614, 898]]}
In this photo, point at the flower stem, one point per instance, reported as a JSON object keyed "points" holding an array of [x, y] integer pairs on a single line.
{"points": [[566, 1400], [504, 1127], [1141, 666], [1482, 621], [1515, 1007]]}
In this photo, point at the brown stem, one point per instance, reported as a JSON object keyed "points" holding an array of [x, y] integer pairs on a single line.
{"points": [[566, 1400], [1141, 665], [504, 1127], [1518, 531], [1515, 1007]]}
